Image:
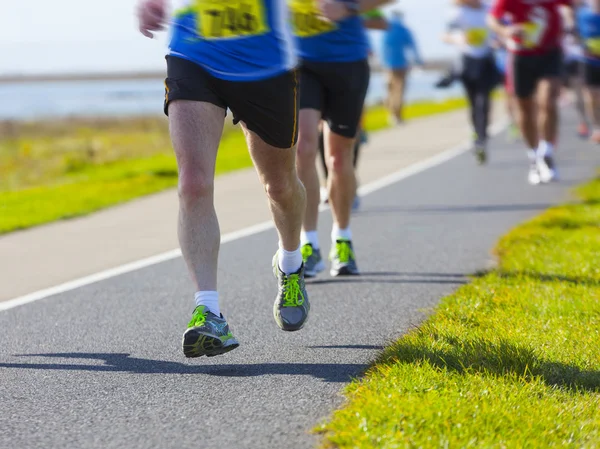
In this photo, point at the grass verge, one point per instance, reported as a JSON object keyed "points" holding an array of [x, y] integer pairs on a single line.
{"points": [[51, 171], [510, 360]]}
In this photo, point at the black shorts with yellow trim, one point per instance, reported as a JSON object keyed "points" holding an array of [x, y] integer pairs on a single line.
{"points": [[267, 107], [338, 90]]}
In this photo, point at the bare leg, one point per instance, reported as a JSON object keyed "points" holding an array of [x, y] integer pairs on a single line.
{"points": [[308, 135], [276, 168], [196, 129], [548, 91], [527, 121], [401, 77], [342, 178]]}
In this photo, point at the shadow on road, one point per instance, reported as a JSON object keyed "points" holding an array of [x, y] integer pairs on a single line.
{"points": [[395, 277], [124, 363]]}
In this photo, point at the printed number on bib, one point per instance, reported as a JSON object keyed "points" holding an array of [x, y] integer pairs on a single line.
{"points": [[593, 46], [222, 19], [535, 28], [306, 19], [476, 37]]}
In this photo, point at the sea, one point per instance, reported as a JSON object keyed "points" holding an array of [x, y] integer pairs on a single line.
{"points": [[26, 101]]}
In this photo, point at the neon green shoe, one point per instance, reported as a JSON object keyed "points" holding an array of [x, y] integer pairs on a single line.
{"points": [[207, 334], [343, 260], [291, 305]]}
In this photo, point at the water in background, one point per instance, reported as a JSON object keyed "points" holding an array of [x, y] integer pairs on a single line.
{"points": [[55, 100]]}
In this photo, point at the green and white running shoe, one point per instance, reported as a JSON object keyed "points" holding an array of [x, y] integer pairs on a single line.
{"points": [[207, 334], [291, 305], [343, 260], [313, 262]]}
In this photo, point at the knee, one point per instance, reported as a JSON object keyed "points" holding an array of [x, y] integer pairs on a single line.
{"points": [[340, 159], [194, 186], [308, 144], [282, 189]]}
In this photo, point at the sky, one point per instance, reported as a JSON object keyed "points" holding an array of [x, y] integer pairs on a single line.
{"points": [[62, 36]]}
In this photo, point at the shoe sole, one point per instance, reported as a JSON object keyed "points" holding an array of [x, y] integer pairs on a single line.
{"points": [[320, 266], [196, 344]]}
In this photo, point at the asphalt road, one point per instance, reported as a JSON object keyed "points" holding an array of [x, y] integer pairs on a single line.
{"points": [[101, 367]]}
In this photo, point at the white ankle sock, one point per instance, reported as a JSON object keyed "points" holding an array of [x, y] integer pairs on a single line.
{"points": [[531, 155], [311, 237], [544, 149], [343, 234], [210, 300], [289, 261]]}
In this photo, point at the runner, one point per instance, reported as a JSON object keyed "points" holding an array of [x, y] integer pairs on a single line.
{"points": [[534, 38], [588, 20], [225, 55], [468, 30], [372, 20], [573, 79], [334, 77], [502, 65]]}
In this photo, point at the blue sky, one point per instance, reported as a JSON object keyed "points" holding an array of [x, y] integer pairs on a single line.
{"points": [[57, 36]]}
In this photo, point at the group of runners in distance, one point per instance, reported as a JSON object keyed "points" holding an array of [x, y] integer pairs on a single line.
{"points": [[296, 72]]}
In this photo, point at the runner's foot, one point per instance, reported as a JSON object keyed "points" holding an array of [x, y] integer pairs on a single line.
{"points": [[207, 334], [534, 175], [343, 260], [291, 305], [547, 169], [313, 262]]}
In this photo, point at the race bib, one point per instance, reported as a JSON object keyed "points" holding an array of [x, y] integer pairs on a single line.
{"points": [[535, 28], [307, 20], [593, 46], [476, 37], [222, 19]]}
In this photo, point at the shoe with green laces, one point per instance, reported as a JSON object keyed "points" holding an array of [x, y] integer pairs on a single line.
{"points": [[291, 305], [343, 261], [313, 262], [207, 334]]}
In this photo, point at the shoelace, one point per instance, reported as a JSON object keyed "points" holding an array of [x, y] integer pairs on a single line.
{"points": [[198, 318], [292, 294], [344, 252], [307, 251]]}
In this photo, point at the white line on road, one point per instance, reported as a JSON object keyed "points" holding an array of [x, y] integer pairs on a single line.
{"points": [[236, 235]]}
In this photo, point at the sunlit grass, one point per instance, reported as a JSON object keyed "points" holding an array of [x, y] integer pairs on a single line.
{"points": [[510, 360]]}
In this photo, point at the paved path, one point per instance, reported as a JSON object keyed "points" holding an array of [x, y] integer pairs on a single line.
{"points": [[49, 255], [100, 366]]}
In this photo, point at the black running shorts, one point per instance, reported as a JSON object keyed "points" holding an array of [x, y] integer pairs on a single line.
{"points": [[338, 90], [268, 107], [591, 74], [528, 70]]}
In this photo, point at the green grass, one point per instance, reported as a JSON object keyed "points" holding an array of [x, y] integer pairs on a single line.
{"points": [[56, 170], [510, 360]]}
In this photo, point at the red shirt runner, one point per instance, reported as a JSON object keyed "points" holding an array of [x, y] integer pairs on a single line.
{"points": [[541, 19]]}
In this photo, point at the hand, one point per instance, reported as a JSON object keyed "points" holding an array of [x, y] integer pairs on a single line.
{"points": [[333, 10], [151, 16], [514, 32]]}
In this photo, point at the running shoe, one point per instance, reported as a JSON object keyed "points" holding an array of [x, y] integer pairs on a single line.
{"points": [[534, 174], [207, 334], [513, 133], [313, 262], [583, 130], [324, 195], [291, 305], [356, 203], [480, 153], [343, 261], [547, 169]]}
